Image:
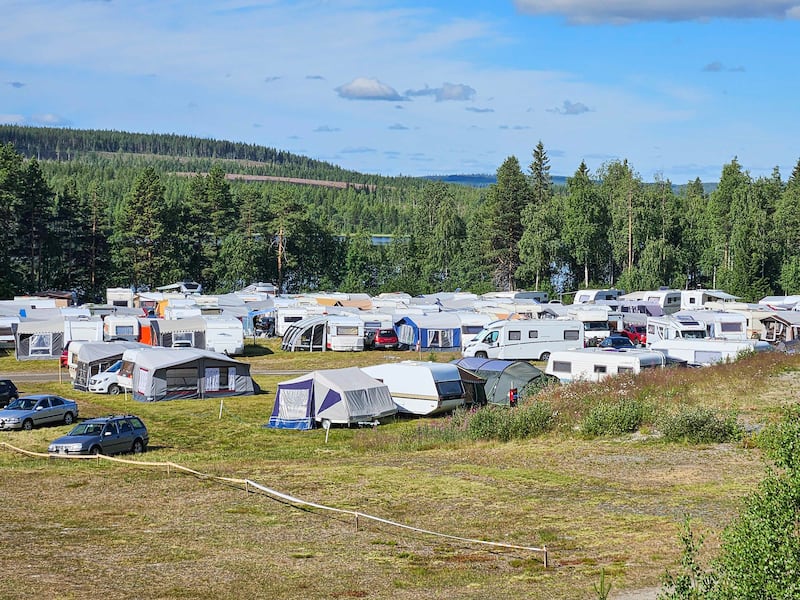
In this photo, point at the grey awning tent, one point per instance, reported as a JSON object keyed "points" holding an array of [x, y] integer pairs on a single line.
{"points": [[502, 376], [38, 339], [96, 357]]}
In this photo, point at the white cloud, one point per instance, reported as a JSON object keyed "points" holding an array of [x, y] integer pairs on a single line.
{"points": [[12, 119], [632, 11], [364, 88]]}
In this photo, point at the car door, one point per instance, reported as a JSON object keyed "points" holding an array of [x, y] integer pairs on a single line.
{"points": [[42, 411], [126, 435], [109, 440], [57, 410]]}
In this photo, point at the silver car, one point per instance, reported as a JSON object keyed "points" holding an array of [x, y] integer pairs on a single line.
{"points": [[28, 412]]}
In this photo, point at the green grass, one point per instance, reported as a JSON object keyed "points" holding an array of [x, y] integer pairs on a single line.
{"points": [[77, 529]]}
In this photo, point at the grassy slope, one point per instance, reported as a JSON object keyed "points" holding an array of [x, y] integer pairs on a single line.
{"points": [[78, 528]]}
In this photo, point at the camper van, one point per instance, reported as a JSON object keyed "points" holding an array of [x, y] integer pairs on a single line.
{"points": [[533, 339], [708, 351], [670, 327], [421, 388], [595, 364]]}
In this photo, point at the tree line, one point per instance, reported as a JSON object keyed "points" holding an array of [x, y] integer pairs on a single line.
{"points": [[99, 221]]}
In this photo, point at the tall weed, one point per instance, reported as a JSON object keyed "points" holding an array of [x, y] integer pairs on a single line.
{"points": [[699, 425]]}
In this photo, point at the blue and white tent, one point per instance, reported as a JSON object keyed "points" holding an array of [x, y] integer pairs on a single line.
{"points": [[341, 396], [437, 331]]}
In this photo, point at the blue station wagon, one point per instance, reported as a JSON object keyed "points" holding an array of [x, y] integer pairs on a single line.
{"points": [[104, 435]]}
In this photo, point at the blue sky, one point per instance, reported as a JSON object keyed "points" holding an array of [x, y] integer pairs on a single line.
{"points": [[676, 87]]}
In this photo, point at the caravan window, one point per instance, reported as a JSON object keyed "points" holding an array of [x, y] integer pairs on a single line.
{"points": [[730, 327], [624, 369], [347, 330], [698, 335], [124, 329], [41, 344], [562, 366], [595, 325], [533, 334], [600, 369], [471, 329], [450, 389], [572, 334], [514, 336]]}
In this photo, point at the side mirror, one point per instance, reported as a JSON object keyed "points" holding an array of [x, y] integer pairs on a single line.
{"points": [[38, 408], [106, 433]]}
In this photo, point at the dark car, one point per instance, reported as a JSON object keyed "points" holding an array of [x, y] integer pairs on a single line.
{"points": [[28, 412], [618, 342], [8, 392], [104, 435], [385, 339]]}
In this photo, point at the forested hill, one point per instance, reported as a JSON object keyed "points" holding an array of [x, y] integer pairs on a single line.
{"points": [[62, 144]]}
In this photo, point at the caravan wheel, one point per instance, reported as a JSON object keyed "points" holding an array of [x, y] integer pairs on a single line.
{"points": [[545, 356]]}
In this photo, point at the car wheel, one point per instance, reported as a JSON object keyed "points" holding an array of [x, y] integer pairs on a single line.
{"points": [[138, 446], [96, 450], [481, 355], [27, 424], [113, 389], [68, 418], [545, 356]]}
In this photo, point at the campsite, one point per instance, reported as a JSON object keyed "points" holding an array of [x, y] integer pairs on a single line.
{"points": [[613, 503]]}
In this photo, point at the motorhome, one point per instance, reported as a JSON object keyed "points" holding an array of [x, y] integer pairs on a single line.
{"points": [[421, 388], [599, 322], [595, 364], [670, 327], [707, 351], [531, 339]]}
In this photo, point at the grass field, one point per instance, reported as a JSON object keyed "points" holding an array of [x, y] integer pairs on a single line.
{"points": [[89, 529]]}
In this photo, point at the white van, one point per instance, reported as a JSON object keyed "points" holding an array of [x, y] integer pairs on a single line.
{"points": [[595, 364], [106, 381], [532, 339]]}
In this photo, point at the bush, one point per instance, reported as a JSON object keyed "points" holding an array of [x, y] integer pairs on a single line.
{"points": [[699, 425], [625, 416], [504, 424]]}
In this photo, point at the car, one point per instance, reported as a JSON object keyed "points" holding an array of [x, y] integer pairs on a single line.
{"points": [[28, 412], [104, 435], [617, 342], [636, 333], [386, 339], [8, 392], [106, 382]]}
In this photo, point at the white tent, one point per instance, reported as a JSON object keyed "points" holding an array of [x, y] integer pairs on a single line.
{"points": [[341, 396]]}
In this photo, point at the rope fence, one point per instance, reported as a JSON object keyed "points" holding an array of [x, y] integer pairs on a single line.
{"points": [[253, 487]]}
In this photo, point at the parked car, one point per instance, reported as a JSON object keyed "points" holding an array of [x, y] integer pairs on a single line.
{"points": [[28, 412], [105, 382], [636, 333], [617, 342], [385, 339], [8, 392], [104, 435]]}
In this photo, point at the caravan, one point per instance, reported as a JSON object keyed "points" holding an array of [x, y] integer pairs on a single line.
{"points": [[421, 388], [595, 364], [532, 339], [224, 335], [670, 327], [708, 351]]}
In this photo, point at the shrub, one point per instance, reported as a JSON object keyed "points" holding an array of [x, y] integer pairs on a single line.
{"points": [[504, 424], [699, 425], [615, 418]]}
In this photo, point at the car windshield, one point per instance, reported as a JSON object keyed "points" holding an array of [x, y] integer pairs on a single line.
{"points": [[86, 429], [23, 404], [115, 367]]}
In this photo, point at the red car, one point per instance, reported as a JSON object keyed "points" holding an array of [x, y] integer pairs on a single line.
{"points": [[382, 338], [636, 333]]}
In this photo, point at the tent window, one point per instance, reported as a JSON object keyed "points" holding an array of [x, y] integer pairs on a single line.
{"points": [[182, 336], [514, 335], [41, 344], [440, 338], [571, 334], [212, 377], [181, 379], [561, 366], [405, 334]]}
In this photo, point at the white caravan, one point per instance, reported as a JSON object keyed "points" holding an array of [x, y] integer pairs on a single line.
{"points": [[421, 388], [696, 299], [592, 296], [719, 324], [670, 327], [668, 300], [345, 333], [595, 364], [125, 327], [532, 339], [707, 351], [224, 335]]}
